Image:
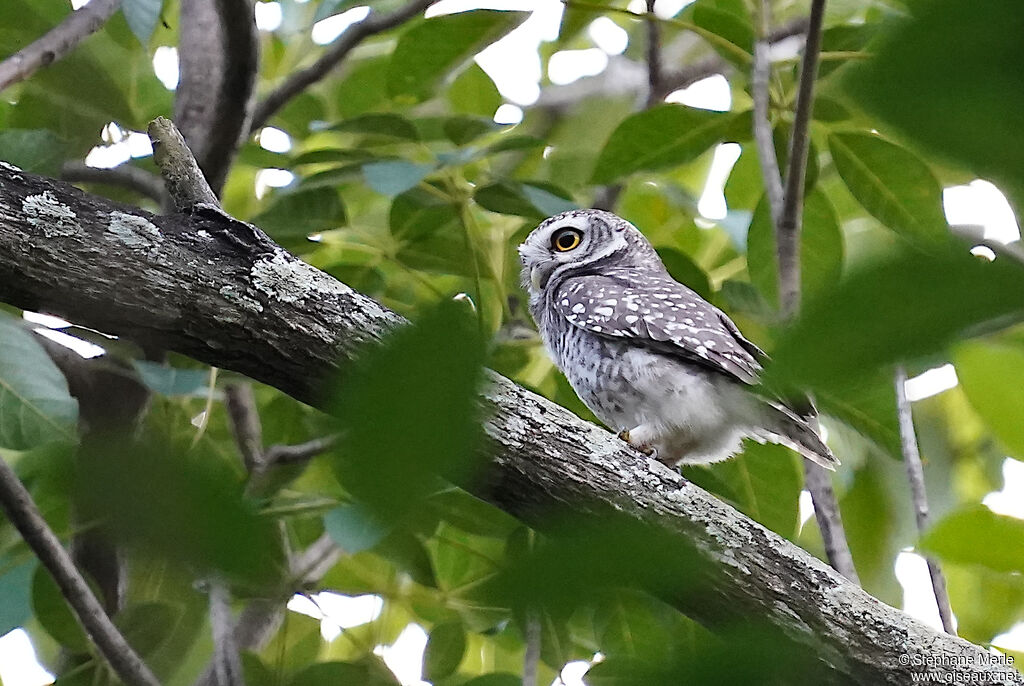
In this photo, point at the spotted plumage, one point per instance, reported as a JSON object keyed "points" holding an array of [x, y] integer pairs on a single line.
{"points": [[646, 354]]}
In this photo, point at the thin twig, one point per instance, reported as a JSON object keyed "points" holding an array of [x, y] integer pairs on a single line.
{"points": [[185, 181], [245, 424], [786, 223], [653, 57], [531, 658], [226, 657], [301, 80], [24, 515], [787, 232], [915, 475], [763, 136], [301, 452], [57, 42], [124, 176]]}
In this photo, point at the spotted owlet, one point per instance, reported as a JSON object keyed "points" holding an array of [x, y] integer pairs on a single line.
{"points": [[646, 354]]}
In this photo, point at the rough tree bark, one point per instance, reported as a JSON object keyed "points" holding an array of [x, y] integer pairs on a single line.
{"points": [[220, 291]]}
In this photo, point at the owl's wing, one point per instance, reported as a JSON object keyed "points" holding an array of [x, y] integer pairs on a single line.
{"points": [[659, 313]]}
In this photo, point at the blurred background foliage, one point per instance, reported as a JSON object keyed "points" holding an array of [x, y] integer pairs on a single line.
{"points": [[392, 175]]}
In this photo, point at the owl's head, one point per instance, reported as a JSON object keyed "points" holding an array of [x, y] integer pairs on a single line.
{"points": [[579, 241]]}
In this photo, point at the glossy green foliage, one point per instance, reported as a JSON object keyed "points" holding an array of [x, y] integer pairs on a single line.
{"points": [[404, 187]]}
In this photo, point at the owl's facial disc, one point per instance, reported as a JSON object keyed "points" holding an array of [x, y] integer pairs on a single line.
{"points": [[569, 240]]}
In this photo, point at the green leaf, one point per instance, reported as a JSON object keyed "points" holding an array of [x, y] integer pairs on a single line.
{"points": [[393, 177], [821, 248], [418, 213], [35, 150], [976, 535], [664, 136], [15, 593], [355, 528], [497, 679], [35, 405], [935, 95], [383, 124], [733, 28], [53, 613], [172, 380], [298, 213], [445, 647], [148, 626], [407, 412], [142, 17], [991, 374], [368, 672], [473, 92], [463, 129], [428, 51], [891, 183], [185, 507], [764, 482], [633, 624], [363, 88], [906, 305], [535, 199]]}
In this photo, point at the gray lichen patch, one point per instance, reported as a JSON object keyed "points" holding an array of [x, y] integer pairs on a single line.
{"points": [[134, 231], [289, 279], [241, 298], [50, 215], [7, 166]]}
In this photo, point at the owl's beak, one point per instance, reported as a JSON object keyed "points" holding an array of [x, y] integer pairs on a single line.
{"points": [[537, 277]]}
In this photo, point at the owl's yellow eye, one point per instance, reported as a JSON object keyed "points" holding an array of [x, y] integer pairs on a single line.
{"points": [[566, 239]]}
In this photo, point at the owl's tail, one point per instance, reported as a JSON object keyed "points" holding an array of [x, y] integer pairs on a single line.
{"points": [[786, 427]]}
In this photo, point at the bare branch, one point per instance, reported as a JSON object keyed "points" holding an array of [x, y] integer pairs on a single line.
{"points": [[245, 424], [301, 80], [654, 78], [531, 658], [22, 512], [302, 452], [125, 176], [787, 233], [915, 476], [186, 183], [227, 661], [219, 60], [58, 42], [786, 205], [265, 313]]}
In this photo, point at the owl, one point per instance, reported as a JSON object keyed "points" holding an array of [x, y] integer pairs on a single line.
{"points": [[651, 358]]}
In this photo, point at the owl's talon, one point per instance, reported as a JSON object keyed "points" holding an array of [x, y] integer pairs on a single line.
{"points": [[624, 435], [645, 449]]}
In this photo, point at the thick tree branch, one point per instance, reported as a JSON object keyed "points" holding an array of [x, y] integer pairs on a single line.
{"points": [[58, 42], [299, 81], [915, 475], [22, 513], [217, 290], [219, 59]]}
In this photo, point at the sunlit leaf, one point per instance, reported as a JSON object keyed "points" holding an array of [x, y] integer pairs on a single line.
{"points": [[473, 92], [893, 184], [991, 375], [429, 50], [977, 535], [664, 136], [445, 647]]}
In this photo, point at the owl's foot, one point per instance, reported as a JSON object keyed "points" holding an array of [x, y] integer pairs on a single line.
{"points": [[646, 449]]}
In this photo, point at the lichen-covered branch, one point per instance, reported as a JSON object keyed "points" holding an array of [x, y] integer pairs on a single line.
{"points": [[218, 290]]}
